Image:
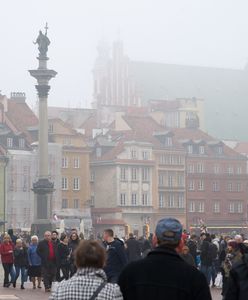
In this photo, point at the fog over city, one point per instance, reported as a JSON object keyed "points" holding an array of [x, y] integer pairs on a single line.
{"points": [[204, 33], [123, 139]]}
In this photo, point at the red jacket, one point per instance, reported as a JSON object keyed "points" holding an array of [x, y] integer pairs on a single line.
{"points": [[6, 256]]}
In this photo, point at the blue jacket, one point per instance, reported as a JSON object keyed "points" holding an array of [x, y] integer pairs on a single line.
{"points": [[116, 258], [33, 257]]}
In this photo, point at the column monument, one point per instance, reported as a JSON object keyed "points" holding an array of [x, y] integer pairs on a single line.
{"points": [[43, 187]]}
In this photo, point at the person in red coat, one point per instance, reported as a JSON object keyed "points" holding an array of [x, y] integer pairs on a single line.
{"points": [[6, 251]]}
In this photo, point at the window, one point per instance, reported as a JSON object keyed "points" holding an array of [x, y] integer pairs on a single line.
{"points": [[232, 207], [162, 159], [64, 183], [191, 168], [21, 143], [239, 187], [145, 174], [191, 185], [190, 149], [76, 203], [76, 163], [181, 201], [67, 141], [239, 207], [230, 170], [76, 184], [9, 142], [161, 200], [133, 153], [219, 150], [64, 203], [170, 180], [236, 207], [201, 207], [123, 174], [216, 169], [64, 162], [168, 141], [134, 174], [92, 176], [98, 152], [161, 179], [239, 170], [191, 206], [200, 168], [145, 199], [171, 200], [92, 200], [180, 179], [145, 155], [50, 128], [229, 187], [201, 149], [201, 185], [134, 199], [123, 199], [216, 186], [216, 207]]}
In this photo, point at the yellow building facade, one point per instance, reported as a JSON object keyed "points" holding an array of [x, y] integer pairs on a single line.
{"points": [[75, 172]]}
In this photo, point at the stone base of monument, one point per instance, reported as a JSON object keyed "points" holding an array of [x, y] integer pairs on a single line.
{"points": [[41, 226], [43, 190]]}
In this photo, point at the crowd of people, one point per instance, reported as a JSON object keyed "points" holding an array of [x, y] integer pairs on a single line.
{"points": [[171, 264]]}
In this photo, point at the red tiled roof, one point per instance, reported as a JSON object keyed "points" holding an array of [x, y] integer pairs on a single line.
{"points": [[21, 115], [197, 134], [242, 147]]}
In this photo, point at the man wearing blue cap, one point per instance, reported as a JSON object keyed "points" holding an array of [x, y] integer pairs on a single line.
{"points": [[163, 274]]}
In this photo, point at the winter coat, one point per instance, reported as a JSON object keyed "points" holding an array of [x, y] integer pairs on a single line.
{"points": [[63, 254], [116, 258], [43, 252], [163, 275], [7, 257], [21, 257], [133, 249], [237, 286], [83, 285], [33, 258]]}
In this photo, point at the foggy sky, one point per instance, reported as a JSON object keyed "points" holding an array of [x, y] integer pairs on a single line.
{"points": [[195, 32]]}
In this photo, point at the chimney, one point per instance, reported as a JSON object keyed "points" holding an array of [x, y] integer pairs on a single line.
{"points": [[18, 97]]}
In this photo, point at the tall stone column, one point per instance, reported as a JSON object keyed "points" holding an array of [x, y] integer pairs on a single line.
{"points": [[43, 188]]}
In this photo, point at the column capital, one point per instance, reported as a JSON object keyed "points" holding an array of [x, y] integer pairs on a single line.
{"points": [[42, 90]]}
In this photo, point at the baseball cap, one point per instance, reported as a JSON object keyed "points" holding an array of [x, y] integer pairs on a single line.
{"points": [[169, 229]]}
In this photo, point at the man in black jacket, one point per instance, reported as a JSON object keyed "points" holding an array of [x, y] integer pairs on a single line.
{"points": [[116, 256], [163, 274], [47, 250], [133, 248]]}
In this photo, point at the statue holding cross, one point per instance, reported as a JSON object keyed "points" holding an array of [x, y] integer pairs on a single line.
{"points": [[43, 43]]}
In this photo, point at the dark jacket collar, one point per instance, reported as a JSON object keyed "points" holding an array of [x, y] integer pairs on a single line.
{"points": [[164, 250]]}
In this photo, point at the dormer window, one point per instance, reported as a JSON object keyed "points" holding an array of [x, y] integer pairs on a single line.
{"points": [[21, 143], [190, 149], [219, 150], [168, 141], [98, 152], [201, 150], [9, 142]]}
